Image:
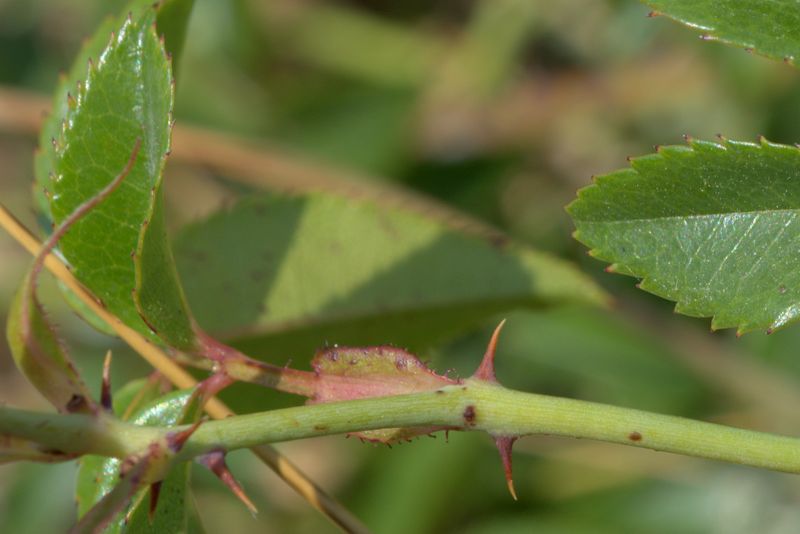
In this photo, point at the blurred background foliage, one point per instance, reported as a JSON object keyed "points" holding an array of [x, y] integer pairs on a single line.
{"points": [[501, 109]]}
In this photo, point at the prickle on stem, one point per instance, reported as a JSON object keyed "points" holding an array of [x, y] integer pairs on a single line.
{"points": [[486, 372]]}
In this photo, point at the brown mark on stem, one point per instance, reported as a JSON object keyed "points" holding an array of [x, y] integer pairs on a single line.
{"points": [[469, 415]]}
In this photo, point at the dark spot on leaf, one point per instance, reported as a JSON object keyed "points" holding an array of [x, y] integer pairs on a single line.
{"points": [[321, 428], [782, 289], [635, 436]]}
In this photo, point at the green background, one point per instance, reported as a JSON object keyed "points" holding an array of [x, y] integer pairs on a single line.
{"points": [[501, 109]]}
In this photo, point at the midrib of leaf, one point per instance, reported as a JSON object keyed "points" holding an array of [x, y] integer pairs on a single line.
{"points": [[792, 211]]}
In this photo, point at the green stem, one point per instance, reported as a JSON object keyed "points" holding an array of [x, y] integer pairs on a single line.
{"points": [[473, 405], [77, 433]]}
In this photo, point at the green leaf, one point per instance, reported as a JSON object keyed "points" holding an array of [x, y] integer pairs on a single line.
{"points": [[712, 226], [40, 355], [172, 20], [119, 250], [281, 273], [97, 476], [768, 27]]}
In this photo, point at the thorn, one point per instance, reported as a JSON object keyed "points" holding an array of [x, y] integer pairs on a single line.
{"points": [[504, 446], [155, 492], [486, 369], [176, 440], [215, 461], [105, 386]]}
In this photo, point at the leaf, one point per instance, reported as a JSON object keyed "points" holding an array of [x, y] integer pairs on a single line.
{"points": [[97, 476], [769, 27], [40, 354], [172, 19], [119, 250], [100, 517], [278, 273], [712, 226]]}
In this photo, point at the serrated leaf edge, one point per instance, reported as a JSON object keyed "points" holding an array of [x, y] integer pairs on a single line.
{"points": [[787, 317]]}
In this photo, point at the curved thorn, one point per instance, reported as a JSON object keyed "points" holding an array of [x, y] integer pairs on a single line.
{"points": [[486, 369]]}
